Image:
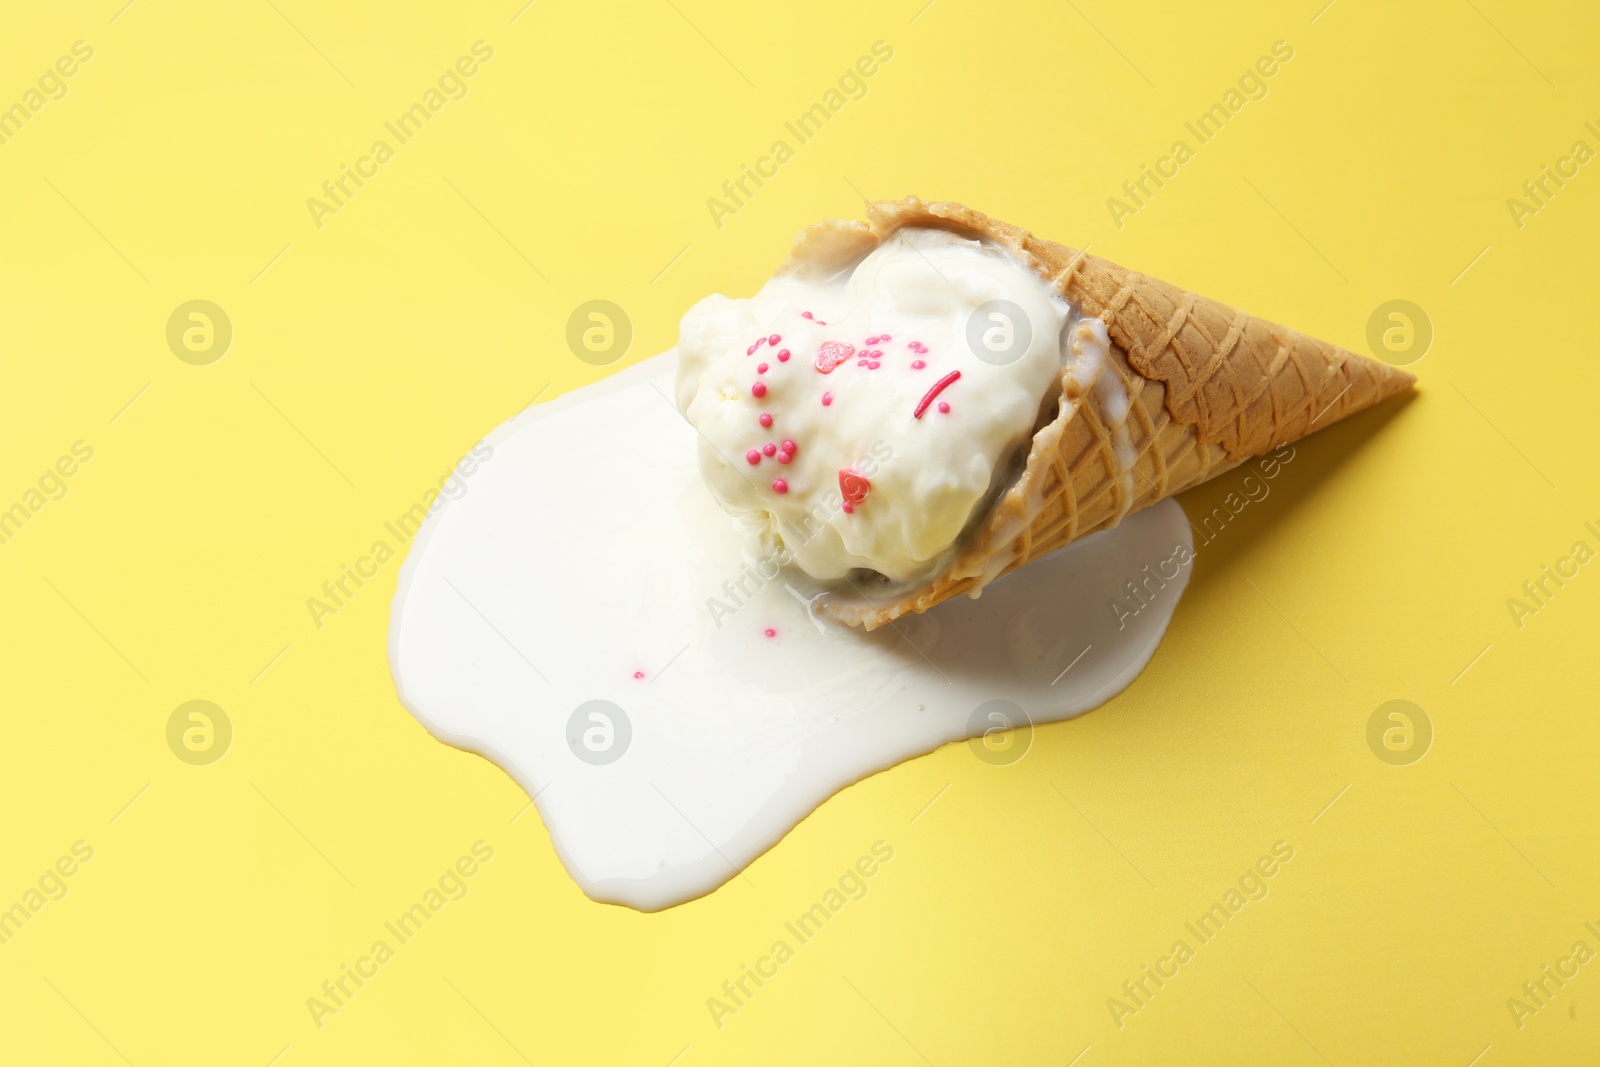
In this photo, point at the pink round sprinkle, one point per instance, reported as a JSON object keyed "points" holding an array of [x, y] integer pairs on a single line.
{"points": [[780, 486], [872, 340], [758, 390], [752, 457], [917, 364], [874, 354], [769, 449], [788, 446], [761, 368], [849, 509], [774, 339], [785, 457], [750, 351], [884, 337], [874, 365], [861, 363], [765, 420], [783, 355], [827, 398], [771, 632], [805, 314], [944, 409]]}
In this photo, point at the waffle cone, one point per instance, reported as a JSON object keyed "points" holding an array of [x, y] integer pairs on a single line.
{"points": [[1208, 388]]}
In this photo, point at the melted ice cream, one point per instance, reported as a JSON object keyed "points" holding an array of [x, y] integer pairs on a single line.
{"points": [[583, 617], [858, 421]]}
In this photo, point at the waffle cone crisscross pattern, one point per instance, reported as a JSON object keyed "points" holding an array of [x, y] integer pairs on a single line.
{"points": [[1208, 387]]}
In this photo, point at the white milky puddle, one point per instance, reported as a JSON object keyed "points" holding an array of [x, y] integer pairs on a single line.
{"points": [[584, 553]]}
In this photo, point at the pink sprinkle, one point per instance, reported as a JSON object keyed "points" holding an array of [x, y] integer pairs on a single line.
{"points": [[785, 457], [638, 674], [938, 387], [765, 420], [874, 354], [861, 363], [884, 337], [832, 353], [750, 351], [769, 449], [758, 390], [805, 314], [780, 486], [918, 347], [853, 486], [783, 355], [761, 368], [917, 364], [827, 398], [774, 339], [752, 457], [872, 340], [788, 446], [874, 365], [849, 509], [944, 409], [760, 341], [771, 632]]}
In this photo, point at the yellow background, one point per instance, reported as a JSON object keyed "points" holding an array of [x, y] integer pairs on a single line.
{"points": [[375, 350]]}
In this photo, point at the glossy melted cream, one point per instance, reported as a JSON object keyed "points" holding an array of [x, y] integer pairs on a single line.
{"points": [[585, 618]]}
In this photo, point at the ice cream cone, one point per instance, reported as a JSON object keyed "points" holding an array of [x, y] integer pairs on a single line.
{"points": [[1208, 387]]}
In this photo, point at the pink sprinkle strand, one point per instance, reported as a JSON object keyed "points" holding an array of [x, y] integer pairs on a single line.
{"points": [[760, 389], [783, 355], [752, 457], [944, 409], [750, 351], [938, 387], [765, 420], [780, 486], [832, 353]]}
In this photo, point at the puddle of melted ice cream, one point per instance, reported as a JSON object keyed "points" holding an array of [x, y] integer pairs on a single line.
{"points": [[586, 617]]}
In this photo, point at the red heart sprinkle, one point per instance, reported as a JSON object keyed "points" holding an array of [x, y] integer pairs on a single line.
{"points": [[832, 353]]}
